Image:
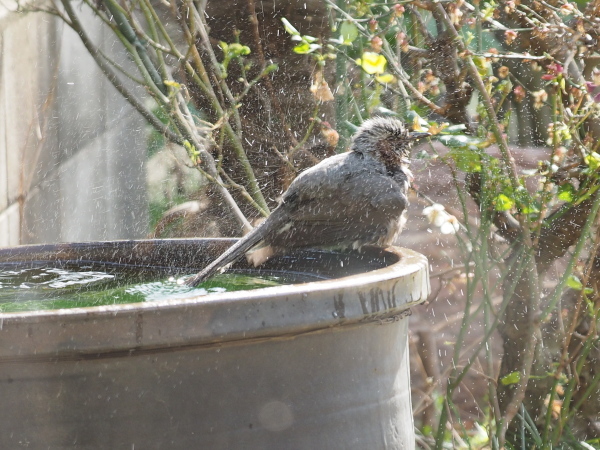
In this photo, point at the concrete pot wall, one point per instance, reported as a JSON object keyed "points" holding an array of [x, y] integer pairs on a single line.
{"points": [[322, 364]]}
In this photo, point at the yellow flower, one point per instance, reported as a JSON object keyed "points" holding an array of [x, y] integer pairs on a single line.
{"points": [[386, 78], [372, 63]]}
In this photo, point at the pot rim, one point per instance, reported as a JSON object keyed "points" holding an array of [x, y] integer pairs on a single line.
{"points": [[409, 262], [285, 310]]}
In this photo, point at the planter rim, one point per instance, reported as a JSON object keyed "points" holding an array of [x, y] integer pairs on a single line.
{"points": [[199, 320]]}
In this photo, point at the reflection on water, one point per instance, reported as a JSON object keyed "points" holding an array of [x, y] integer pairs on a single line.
{"points": [[38, 288]]}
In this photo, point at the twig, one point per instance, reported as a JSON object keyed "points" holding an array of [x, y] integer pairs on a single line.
{"points": [[244, 193], [255, 191], [508, 159], [112, 77], [512, 56], [551, 304], [458, 267], [263, 62], [154, 121], [307, 135]]}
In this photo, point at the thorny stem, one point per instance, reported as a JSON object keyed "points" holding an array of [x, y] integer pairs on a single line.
{"points": [[309, 130], [397, 68], [243, 192], [463, 203], [533, 296], [521, 263], [342, 113], [113, 63], [206, 87], [548, 181], [550, 410], [124, 26], [508, 159], [153, 89], [154, 32], [575, 316], [274, 99], [285, 160], [592, 385], [201, 26], [581, 243], [533, 337], [232, 134], [390, 57], [249, 85], [484, 269]]}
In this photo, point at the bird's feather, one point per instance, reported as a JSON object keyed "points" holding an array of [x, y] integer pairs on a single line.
{"points": [[347, 200], [238, 249]]}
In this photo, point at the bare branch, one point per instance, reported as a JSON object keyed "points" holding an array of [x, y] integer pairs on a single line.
{"points": [[114, 79]]}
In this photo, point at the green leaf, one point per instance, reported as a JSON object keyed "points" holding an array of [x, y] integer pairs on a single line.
{"points": [[466, 159], [414, 118], [192, 152], [529, 209], [238, 49], [525, 202], [383, 111], [348, 32], [503, 203], [304, 47], [289, 27], [457, 140], [372, 63], [309, 39], [469, 38], [574, 283], [270, 68], [593, 161], [511, 378], [483, 66], [350, 127], [454, 129], [175, 85], [566, 192]]}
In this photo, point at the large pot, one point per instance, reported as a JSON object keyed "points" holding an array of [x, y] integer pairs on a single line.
{"points": [[319, 365]]}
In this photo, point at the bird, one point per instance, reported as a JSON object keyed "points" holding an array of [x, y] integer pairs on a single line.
{"points": [[346, 201]]}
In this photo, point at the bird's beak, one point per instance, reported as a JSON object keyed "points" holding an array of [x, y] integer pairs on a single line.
{"points": [[413, 136]]}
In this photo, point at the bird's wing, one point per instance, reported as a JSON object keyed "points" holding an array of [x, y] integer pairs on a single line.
{"points": [[276, 224], [337, 202], [352, 202]]}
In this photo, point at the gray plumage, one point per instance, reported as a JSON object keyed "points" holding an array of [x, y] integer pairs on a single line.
{"points": [[346, 201]]}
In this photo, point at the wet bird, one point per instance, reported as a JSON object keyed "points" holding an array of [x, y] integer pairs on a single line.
{"points": [[346, 201]]}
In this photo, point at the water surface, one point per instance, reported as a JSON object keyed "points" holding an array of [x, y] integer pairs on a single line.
{"points": [[38, 288]]}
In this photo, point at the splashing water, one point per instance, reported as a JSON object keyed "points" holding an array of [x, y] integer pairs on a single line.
{"points": [[41, 288]]}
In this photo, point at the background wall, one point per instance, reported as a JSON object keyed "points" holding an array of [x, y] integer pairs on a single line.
{"points": [[72, 151]]}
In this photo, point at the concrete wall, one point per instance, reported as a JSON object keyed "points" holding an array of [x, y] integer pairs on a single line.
{"points": [[72, 151]]}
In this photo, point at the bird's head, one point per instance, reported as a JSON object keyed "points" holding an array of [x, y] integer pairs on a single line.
{"points": [[384, 135]]}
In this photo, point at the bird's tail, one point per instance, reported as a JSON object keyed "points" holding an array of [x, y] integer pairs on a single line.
{"points": [[235, 252]]}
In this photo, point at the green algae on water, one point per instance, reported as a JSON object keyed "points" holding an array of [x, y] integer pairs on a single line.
{"points": [[42, 288]]}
